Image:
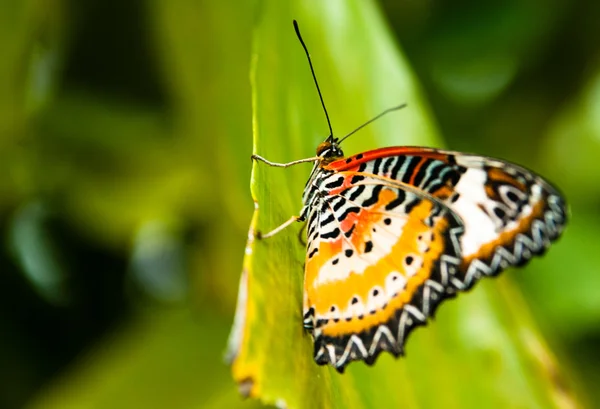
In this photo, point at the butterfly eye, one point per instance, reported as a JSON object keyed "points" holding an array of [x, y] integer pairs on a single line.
{"points": [[323, 148]]}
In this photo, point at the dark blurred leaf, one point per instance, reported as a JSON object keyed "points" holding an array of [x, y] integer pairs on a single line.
{"points": [[572, 148]]}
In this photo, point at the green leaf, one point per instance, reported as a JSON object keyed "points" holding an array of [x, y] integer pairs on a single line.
{"points": [[483, 351], [163, 360]]}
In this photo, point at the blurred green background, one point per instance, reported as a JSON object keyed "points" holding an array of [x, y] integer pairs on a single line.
{"points": [[125, 136]]}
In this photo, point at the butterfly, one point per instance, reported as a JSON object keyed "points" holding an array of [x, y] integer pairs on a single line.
{"points": [[393, 232]]}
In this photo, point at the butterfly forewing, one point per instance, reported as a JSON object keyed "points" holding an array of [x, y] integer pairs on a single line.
{"points": [[393, 232], [373, 268]]}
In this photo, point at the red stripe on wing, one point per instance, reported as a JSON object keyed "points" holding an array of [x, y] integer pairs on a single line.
{"points": [[355, 160]]}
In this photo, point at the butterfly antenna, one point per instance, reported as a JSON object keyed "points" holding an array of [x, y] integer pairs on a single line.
{"points": [[314, 76], [387, 111]]}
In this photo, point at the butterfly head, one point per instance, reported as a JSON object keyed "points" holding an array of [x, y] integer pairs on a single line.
{"points": [[330, 149]]}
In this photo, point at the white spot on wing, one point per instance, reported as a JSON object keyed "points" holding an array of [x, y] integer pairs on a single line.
{"points": [[414, 266], [340, 271], [394, 283], [479, 228], [375, 302], [504, 190], [331, 315], [356, 309]]}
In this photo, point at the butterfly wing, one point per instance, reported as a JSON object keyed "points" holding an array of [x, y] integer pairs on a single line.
{"points": [[393, 232], [509, 213]]}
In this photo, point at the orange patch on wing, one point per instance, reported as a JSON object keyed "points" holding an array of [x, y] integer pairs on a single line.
{"points": [[497, 174], [490, 192], [339, 293], [444, 192]]}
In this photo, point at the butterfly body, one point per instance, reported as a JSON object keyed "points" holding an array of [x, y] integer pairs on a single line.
{"points": [[393, 232]]}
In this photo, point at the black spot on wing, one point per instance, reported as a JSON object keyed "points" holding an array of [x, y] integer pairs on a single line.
{"points": [[453, 177], [332, 234], [327, 220], [353, 209], [349, 232], [324, 206], [512, 196], [335, 183], [376, 165], [387, 164], [422, 172], [400, 198], [399, 161], [312, 223], [356, 192], [433, 171], [356, 178], [410, 205], [374, 196], [339, 203], [412, 165], [501, 214]]}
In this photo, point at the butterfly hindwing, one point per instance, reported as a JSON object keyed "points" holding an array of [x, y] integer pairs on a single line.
{"points": [[393, 232], [510, 215]]}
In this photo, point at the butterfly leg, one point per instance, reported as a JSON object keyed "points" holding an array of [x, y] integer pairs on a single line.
{"points": [[300, 233], [285, 165], [277, 229]]}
